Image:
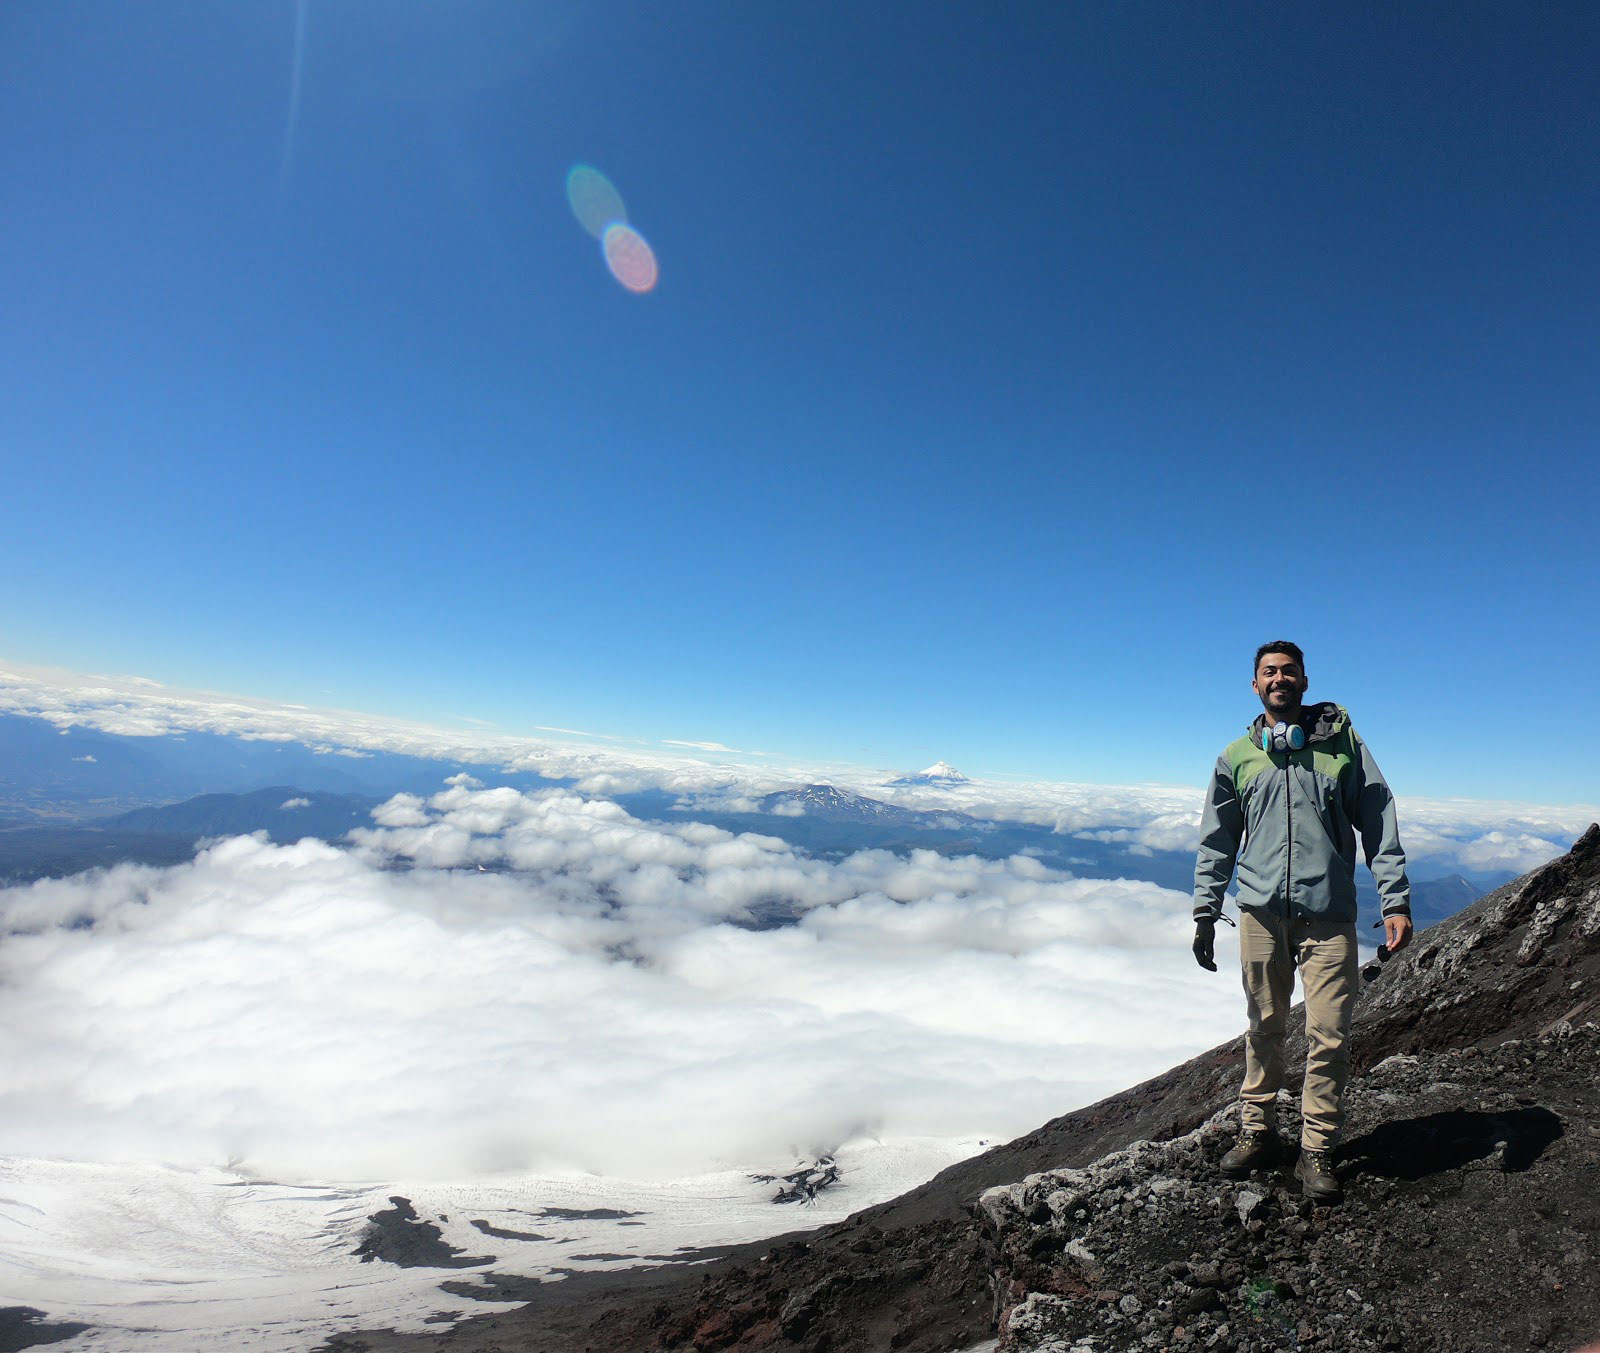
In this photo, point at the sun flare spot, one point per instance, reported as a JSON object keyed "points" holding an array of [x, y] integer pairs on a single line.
{"points": [[594, 199], [630, 258]]}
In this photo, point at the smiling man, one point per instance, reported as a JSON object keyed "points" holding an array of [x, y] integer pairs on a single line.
{"points": [[1284, 808]]}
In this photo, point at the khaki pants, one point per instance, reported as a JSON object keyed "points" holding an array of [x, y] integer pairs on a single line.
{"points": [[1329, 974]]}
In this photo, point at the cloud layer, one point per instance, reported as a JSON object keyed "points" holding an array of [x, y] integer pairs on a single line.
{"points": [[497, 980]]}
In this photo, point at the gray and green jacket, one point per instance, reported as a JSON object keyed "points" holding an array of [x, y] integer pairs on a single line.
{"points": [[1288, 823]]}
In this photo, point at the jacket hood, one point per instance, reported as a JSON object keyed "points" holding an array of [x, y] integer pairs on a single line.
{"points": [[1321, 722]]}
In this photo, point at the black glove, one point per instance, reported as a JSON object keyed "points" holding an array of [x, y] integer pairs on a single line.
{"points": [[1205, 944]]}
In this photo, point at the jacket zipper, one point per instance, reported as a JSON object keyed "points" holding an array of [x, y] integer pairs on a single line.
{"points": [[1288, 839]]}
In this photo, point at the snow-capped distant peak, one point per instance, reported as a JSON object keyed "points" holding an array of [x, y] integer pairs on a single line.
{"points": [[939, 773]]}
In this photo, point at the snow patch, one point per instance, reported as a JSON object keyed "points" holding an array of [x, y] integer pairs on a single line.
{"points": [[155, 1257]]}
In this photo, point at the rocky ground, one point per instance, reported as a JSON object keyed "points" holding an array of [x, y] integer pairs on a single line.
{"points": [[1471, 1221], [1470, 1164]]}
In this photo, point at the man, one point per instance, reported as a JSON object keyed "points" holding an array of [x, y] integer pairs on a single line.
{"points": [[1285, 805]]}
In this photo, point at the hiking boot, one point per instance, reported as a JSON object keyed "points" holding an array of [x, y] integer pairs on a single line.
{"points": [[1314, 1170], [1255, 1149]]}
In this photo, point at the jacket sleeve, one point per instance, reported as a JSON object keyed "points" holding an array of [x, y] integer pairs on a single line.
{"points": [[1221, 832], [1380, 834]]}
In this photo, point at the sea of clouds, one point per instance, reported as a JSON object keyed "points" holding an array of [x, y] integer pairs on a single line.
{"points": [[592, 997]]}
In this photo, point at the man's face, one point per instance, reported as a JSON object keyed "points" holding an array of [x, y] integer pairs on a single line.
{"points": [[1279, 683]]}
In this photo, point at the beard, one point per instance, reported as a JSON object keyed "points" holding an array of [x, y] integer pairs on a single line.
{"points": [[1282, 703]]}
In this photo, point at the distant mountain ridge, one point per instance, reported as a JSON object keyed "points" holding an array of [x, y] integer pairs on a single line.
{"points": [[170, 833], [844, 805], [51, 774], [284, 812]]}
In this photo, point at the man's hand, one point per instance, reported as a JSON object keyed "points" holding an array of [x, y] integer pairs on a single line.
{"points": [[1205, 945], [1396, 932]]}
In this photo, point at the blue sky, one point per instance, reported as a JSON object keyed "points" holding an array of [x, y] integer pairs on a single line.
{"points": [[1012, 373]]}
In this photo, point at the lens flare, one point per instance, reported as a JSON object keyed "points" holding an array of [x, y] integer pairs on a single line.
{"points": [[593, 199], [631, 260]]}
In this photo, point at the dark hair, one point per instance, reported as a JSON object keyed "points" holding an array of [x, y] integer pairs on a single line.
{"points": [[1279, 646]]}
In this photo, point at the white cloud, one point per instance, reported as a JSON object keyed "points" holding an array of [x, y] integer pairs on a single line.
{"points": [[295, 803], [1516, 851], [578, 733], [1489, 835], [586, 1003], [724, 801]]}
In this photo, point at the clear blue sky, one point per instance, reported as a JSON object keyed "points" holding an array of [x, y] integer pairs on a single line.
{"points": [[1013, 370]]}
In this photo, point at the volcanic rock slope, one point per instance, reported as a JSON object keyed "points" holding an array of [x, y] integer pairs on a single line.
{"points": [[1471, 1167]]}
